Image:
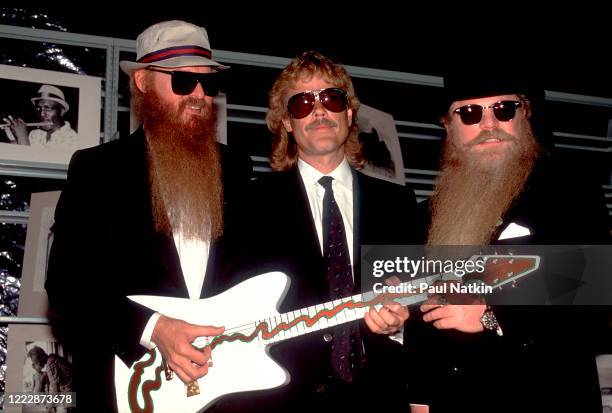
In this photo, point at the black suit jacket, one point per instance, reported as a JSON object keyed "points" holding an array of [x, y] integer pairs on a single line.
{"points": [[106, 248], [281, 236], [546, 360]]}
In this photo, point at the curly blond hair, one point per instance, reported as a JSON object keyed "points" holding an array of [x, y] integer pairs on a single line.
{"points": [[308, 64]]}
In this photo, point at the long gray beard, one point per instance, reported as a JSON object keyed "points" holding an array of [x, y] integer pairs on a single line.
{"points": [[471, 198]]}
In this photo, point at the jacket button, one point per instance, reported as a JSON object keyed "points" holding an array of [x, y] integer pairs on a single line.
{"points": [[327, 337]]}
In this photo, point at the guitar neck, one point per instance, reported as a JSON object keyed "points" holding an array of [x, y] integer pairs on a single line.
{"points": [[332, 313], [498, 271]]}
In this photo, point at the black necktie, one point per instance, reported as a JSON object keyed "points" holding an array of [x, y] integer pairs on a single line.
{"points": [[347, 348]]}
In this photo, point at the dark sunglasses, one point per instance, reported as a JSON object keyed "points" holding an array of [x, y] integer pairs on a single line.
{"points": [[300, 105], [183, 83], [503, 111]]}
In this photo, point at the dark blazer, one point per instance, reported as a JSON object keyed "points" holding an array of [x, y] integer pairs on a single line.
{"points": [[546, 359], [281, 236], [105, 248]]}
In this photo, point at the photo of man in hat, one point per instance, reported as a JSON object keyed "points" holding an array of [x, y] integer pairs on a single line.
{"points": [[51, 130], [145, 215]]}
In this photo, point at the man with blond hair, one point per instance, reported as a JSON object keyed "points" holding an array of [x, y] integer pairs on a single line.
{"points": [[311, 217]]}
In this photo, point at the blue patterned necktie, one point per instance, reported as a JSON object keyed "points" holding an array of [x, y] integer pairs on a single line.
{"points": [[347, 348]]}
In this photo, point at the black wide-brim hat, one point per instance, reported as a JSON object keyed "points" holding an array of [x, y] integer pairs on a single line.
{"points": [[482, 81]]}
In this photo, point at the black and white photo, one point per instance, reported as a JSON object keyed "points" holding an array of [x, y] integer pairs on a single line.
{"points": [[36, 362], [48, 115]]}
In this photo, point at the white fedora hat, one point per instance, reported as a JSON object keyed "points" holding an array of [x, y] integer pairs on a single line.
{"points": [[173, 43], [48, 92]]}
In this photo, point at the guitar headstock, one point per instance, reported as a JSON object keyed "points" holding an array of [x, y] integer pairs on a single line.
{"points": [[500, 270]]}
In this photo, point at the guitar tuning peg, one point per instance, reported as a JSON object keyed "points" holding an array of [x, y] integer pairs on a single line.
{"points": [[495, 281], [513, 283], [511, 261], [510, 274]]}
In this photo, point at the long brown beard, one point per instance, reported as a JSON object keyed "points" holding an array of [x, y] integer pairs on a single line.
{"points": [[184, 168], [472, 195]]}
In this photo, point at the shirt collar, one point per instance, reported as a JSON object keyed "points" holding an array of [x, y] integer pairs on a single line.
{"points": [[342, 174], [64, 127]]}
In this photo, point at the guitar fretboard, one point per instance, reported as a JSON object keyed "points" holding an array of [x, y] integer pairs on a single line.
{"points": [[317, 317]]}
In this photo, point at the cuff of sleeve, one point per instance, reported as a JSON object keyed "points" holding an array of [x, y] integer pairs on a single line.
{"points": [[399, 336], [145, 339]]}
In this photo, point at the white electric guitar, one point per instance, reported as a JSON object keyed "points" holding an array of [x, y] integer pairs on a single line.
{"points": [[249, 312]]}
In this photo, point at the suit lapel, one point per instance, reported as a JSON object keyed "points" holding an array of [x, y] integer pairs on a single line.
{"points": [[168, 255], [305, 213], [357, 228]]}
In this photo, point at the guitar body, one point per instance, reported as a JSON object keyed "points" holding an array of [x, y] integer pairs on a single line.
{"points": [[237, 366]]}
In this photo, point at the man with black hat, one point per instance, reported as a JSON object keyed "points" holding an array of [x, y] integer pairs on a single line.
{"points": [[144, 215], [498, 185]]}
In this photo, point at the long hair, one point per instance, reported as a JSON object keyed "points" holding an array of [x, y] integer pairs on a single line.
{"points": [[284, 148]]}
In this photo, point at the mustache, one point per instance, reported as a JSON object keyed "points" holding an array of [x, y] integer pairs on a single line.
{"points": [[193, 101], [321, 122], [491, 134]]}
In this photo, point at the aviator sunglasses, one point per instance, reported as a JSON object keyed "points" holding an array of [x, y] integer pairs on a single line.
{"points": [[503, 111], [183, 83], [300, 105]]}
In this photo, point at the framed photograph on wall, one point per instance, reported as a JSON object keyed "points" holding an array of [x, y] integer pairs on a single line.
{"points": [[380, 145], [33, 300], [45, 115], [36, 362]]}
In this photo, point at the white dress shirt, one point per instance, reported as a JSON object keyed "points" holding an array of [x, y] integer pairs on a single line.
{"points": [[342, 185]]}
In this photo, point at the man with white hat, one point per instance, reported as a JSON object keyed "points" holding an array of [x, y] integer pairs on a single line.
{"points": [[51, 107], [144, 215]]}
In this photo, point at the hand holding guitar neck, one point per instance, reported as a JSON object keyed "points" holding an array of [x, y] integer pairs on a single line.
{"points": [[391, 316]]}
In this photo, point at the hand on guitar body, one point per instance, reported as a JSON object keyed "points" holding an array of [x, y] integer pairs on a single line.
{"points": [[174, 337], [462, 312]]}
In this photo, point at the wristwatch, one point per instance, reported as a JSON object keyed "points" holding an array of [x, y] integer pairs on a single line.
{"points": [[489, 322]]}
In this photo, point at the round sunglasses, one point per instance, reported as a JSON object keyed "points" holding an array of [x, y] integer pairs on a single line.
{"points": [[504, 111], [301, 105], [184, 83]]}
